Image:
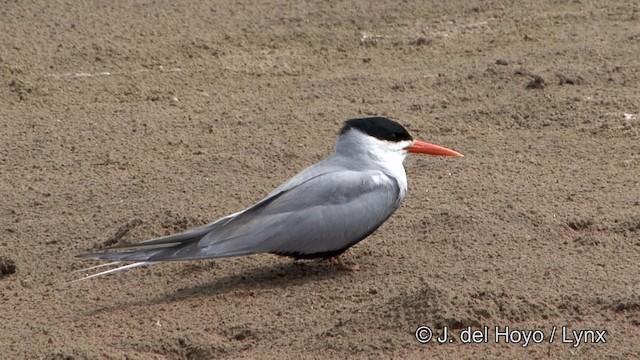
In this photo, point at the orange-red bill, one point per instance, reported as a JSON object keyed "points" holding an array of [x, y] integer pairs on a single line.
{"points": [[421, 147]]}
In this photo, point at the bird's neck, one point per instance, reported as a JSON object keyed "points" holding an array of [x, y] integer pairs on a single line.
{"points": [[363, 153]]}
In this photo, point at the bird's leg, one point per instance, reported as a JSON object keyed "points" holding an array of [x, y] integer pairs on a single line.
{"points": [[340, 264]]}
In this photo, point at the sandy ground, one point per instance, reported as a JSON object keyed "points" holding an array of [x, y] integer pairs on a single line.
{"points": [[130, 120]]}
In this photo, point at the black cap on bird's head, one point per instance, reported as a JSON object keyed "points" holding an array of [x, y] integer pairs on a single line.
{"points": [[378, 127], [385, 129]]}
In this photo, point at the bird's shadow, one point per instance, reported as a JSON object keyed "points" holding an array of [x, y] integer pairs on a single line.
{"points": [[285, 275]]}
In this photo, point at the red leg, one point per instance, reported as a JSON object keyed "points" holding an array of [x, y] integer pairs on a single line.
{"points": [[341, 265]]}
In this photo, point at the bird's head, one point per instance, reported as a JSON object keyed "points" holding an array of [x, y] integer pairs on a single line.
{"points": [[383, 139]]}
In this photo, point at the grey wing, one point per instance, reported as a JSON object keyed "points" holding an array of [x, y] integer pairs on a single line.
{"points": [[321, 216], [143, 250], [179, 238], [326, 214]]}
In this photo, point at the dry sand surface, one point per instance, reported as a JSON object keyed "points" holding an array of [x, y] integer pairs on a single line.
{"points": [[123, 121]]}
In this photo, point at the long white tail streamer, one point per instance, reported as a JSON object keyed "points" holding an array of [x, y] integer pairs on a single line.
{"points": [[112, 271]]}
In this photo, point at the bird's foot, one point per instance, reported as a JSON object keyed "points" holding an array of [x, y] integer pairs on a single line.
{"points": [[341, 265]]}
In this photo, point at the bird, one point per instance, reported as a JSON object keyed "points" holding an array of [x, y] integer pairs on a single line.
{"points": [[319, 213]]}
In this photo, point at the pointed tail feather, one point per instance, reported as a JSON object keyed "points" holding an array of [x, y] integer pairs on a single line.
{"points": [[97, 266], [140, 255], [180, 246], [111, 271], [182, 238]]}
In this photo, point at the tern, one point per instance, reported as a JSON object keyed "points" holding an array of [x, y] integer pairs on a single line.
{"points": [[319, 213]]}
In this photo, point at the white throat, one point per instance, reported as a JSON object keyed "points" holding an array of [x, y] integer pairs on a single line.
{"points": [[372, 153]]}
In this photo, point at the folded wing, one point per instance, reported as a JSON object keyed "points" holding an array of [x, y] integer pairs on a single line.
{"points": [[319, 217]]}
